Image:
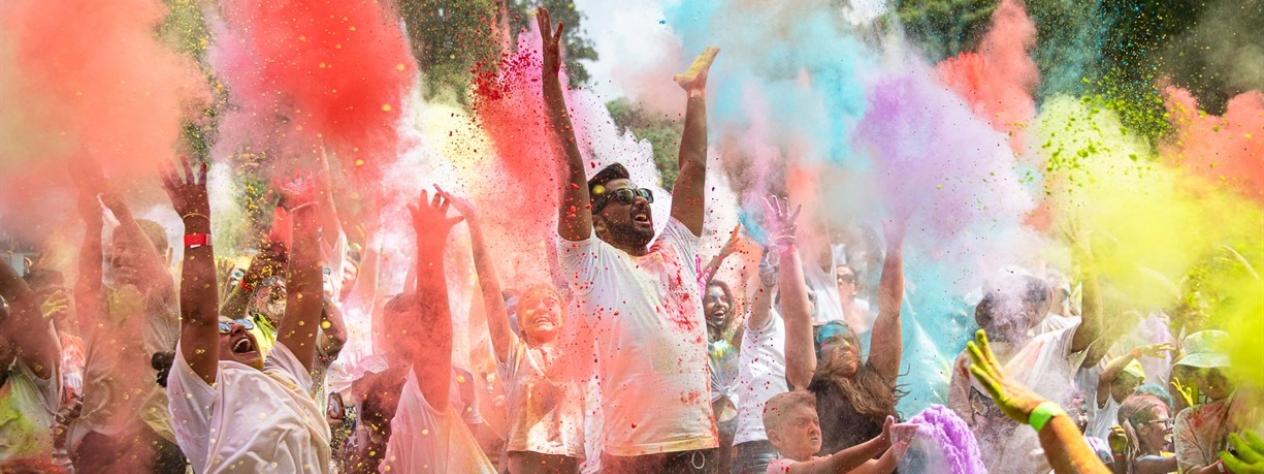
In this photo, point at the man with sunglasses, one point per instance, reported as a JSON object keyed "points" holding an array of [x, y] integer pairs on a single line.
{"points": [[640, 306]]}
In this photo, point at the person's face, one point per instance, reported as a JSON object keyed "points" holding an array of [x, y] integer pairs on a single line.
{"points": [[1214, 385], [540, 315], [626, 225], [799, 436], [842, 352], [1156, 435], [845, 278], [269, 300], [124, 261], [239, 345], [1123, 386], [716, 304]]}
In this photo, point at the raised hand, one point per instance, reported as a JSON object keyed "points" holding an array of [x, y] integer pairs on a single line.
{"points": [[187, 189], [431, 222], [695, 78], [298, 191], [1249, 458], [1153, 350], [462, 205], [781, 221], [1015, 400], [552, 39]]}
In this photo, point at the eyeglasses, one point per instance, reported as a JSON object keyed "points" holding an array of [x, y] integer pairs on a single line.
{"points": [[623, 195], [226, 326], [846, 278]]}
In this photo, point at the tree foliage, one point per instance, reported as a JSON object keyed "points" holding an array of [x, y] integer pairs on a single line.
{"points": [[662, 132], [577, 46]]}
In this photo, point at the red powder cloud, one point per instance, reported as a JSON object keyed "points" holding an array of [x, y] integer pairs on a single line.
{"points": [[998, 79], [302, 72], [509, 105], [93, 82], [1227, 148]]}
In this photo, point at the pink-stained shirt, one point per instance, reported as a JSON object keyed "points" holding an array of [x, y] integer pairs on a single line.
{"points": [[638, 324]]}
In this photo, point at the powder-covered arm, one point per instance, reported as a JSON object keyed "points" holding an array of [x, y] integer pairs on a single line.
{"points": [[25, 328], [432, 359], [689, 193], [574, 214], [199, 298], [888, 329]]}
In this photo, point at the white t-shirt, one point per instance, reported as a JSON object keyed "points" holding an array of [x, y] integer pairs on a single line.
{"points": [[251, 420], [426, 440], [1047, 366], [27, 406], [645, 314], [547, 417], [762, 375]]}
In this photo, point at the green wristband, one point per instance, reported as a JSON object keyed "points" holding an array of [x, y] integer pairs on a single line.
{"points": [[1044, 412]]}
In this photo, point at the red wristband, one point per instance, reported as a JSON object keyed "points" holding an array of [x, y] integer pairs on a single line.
{"points": [[192, 241]]}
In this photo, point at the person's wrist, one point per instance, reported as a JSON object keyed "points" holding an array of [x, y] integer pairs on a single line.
{"points": [[198, 226], [1044, 413]]}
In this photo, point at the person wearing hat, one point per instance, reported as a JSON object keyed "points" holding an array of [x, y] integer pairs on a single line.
{"points": [[1118, 380], [1201, 430]]}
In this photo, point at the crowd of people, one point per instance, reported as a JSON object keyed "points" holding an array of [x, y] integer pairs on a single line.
{"points": [[635, 358]]}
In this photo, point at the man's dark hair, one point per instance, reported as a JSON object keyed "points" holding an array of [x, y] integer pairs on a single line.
{"points": [[606, 175]]}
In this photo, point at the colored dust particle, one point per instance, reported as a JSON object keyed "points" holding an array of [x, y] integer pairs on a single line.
{"points": [[1007, 147]]}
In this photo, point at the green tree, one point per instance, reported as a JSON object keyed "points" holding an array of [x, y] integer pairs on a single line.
{"points": [[577, 47], [449, 39], [662, 132]]}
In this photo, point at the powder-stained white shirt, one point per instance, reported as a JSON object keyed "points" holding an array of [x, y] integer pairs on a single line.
{"points": [[762, 375], [645, 315], [251, 420], [547, 415], [429, 441]]}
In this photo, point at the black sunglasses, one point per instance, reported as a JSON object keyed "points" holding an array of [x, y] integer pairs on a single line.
{"points": [[624, 195]]}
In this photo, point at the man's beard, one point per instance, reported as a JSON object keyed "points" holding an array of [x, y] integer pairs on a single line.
{"points": [[629, 235]]}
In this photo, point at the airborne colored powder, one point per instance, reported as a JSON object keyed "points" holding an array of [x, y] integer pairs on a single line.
{"points": [[303, 73], [997, 81], [945, 442], [86, 81], [1228, 148]]}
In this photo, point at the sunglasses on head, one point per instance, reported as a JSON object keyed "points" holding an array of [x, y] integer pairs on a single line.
{"points": [[623, 195], [226, 326]]}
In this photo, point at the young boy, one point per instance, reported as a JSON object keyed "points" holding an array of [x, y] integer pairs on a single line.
{"points": [[794, 429]]}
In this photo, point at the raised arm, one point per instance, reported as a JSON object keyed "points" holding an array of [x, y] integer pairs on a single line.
{"points": [[1064, 446], [31, 335], [761, 307], [1090, 327], [89, 291], [795, 305], [489, 281], [199, 300], [708, 272], [333, 335], [689, 194], [575, 215], [887, 338], [432, 361], [1117, 365], [304, 289]]}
